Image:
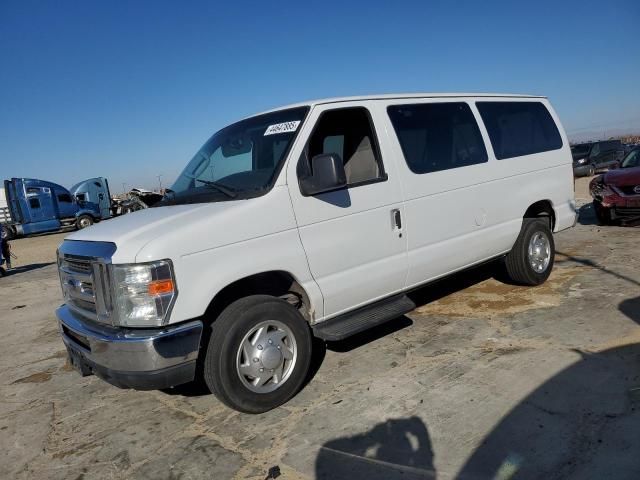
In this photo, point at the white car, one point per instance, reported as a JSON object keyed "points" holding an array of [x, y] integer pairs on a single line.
{"points": [[312, 220]]}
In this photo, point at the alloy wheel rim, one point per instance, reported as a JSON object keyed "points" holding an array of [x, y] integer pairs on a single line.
{"points": [[539, 252], [266, 356]]}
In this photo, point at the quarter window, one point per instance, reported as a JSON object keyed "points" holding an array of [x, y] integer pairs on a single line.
{"points": [[348, 132], [34, 203], [64, 198], [519, 128], [437, 136]]}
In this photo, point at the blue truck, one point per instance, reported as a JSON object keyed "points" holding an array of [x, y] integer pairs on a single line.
{"points": [[37, 206]]}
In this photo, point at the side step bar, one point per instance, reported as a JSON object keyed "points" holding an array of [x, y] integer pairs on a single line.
{"points": [[363, 318]]}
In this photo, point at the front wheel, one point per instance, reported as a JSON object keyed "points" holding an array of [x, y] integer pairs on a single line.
{"points": [[258, 355], [531, 259], [84, 221]]}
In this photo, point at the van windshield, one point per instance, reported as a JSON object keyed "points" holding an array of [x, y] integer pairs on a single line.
{"points": [[240, 161]]}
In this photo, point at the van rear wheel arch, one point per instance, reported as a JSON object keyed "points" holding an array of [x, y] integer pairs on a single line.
{"points": [[542, 209]]}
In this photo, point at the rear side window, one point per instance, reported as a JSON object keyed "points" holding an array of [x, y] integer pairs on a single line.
{"points": [[519, 128], [64, 197], [34, 203], [437, 136]]}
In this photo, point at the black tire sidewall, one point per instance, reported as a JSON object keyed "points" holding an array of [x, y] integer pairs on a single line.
{"points": [[79, 220], [227, 333], [530, 228]]}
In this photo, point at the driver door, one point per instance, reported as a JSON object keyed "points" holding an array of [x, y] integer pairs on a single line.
{"points": [[353, 237]]}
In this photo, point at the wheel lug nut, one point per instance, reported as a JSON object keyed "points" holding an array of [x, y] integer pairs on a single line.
{"points": [[279, 347], [270, 341], [256, 360], [262, 369], [259, 347]]}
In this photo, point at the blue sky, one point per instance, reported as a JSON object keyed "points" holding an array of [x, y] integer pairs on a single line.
{"points": [[130, 90]]}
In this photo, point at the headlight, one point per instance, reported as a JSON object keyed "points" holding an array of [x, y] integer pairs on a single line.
{"points": [[144, 293], [582, 160]]}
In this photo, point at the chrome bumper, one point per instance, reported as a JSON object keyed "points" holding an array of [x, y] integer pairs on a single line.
{"points": [[132, 358]]}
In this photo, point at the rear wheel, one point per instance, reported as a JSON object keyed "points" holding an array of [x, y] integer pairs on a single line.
{"points": [[84, 221], [531, 259], [603, 214], [258, 355]]}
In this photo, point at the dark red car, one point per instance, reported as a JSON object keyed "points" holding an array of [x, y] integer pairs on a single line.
{"points": [[616, 194]]}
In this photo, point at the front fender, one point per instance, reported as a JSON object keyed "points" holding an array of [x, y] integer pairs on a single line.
{"points": [[201, 276]]}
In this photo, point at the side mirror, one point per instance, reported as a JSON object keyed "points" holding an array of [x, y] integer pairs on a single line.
{"points": [[327, 174]]}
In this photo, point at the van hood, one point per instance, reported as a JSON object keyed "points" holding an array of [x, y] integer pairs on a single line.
{"points": [[176, 230], [623, 176]]}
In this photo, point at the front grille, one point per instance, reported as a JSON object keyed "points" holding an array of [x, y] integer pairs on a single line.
{"points": [[78, 265], [627, 212], [85, 287]]}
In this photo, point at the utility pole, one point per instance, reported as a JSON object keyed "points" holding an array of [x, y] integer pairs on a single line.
{"points": [[159, 183], [124, 187]]}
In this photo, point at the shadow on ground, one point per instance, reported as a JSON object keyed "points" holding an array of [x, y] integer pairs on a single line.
{"points": [[587, 262], [396, 449], [584, 423], [581, 424], [23, 269], [427, 294]]}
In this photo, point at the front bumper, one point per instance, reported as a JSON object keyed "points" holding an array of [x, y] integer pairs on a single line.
{"points": [[144, 359]]}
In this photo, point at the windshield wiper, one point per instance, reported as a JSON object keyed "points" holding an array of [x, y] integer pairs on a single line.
{"points": [[219, 187]]}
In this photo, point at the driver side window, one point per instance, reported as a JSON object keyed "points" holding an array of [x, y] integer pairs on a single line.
{"points": [[348, 132]]}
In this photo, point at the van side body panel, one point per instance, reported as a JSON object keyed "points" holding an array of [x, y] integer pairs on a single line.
{"points": [[462, 216]]}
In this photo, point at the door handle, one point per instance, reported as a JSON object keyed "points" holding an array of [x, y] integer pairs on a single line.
{"points": [[396, 219]]}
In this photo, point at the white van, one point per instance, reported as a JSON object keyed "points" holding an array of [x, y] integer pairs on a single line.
{"points": [[312, 220]]}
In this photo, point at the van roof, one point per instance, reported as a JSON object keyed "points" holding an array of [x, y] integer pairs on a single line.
{"points": [[388, 96]]}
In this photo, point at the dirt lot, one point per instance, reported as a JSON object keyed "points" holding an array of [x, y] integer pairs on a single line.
{"points": [[483, 380]]}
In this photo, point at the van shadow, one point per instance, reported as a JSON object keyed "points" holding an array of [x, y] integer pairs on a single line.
{"points": [[582, 423], [395, 449], [427, 294]]}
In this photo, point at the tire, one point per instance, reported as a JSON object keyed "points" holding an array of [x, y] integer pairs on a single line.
{"points": [[8, 232], [222, 370], [84, 221], [603, 214], [519, 262]]}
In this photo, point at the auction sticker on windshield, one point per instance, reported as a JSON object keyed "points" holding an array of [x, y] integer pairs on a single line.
{"points": [[282, 128]]}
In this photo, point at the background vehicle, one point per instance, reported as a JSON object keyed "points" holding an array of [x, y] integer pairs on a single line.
{"points": [[616, 194], [316, 219], [591, 157], [94, 194], [37, 206]]}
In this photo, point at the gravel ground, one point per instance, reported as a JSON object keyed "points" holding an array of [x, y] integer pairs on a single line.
{"points": [[483, 380]]}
